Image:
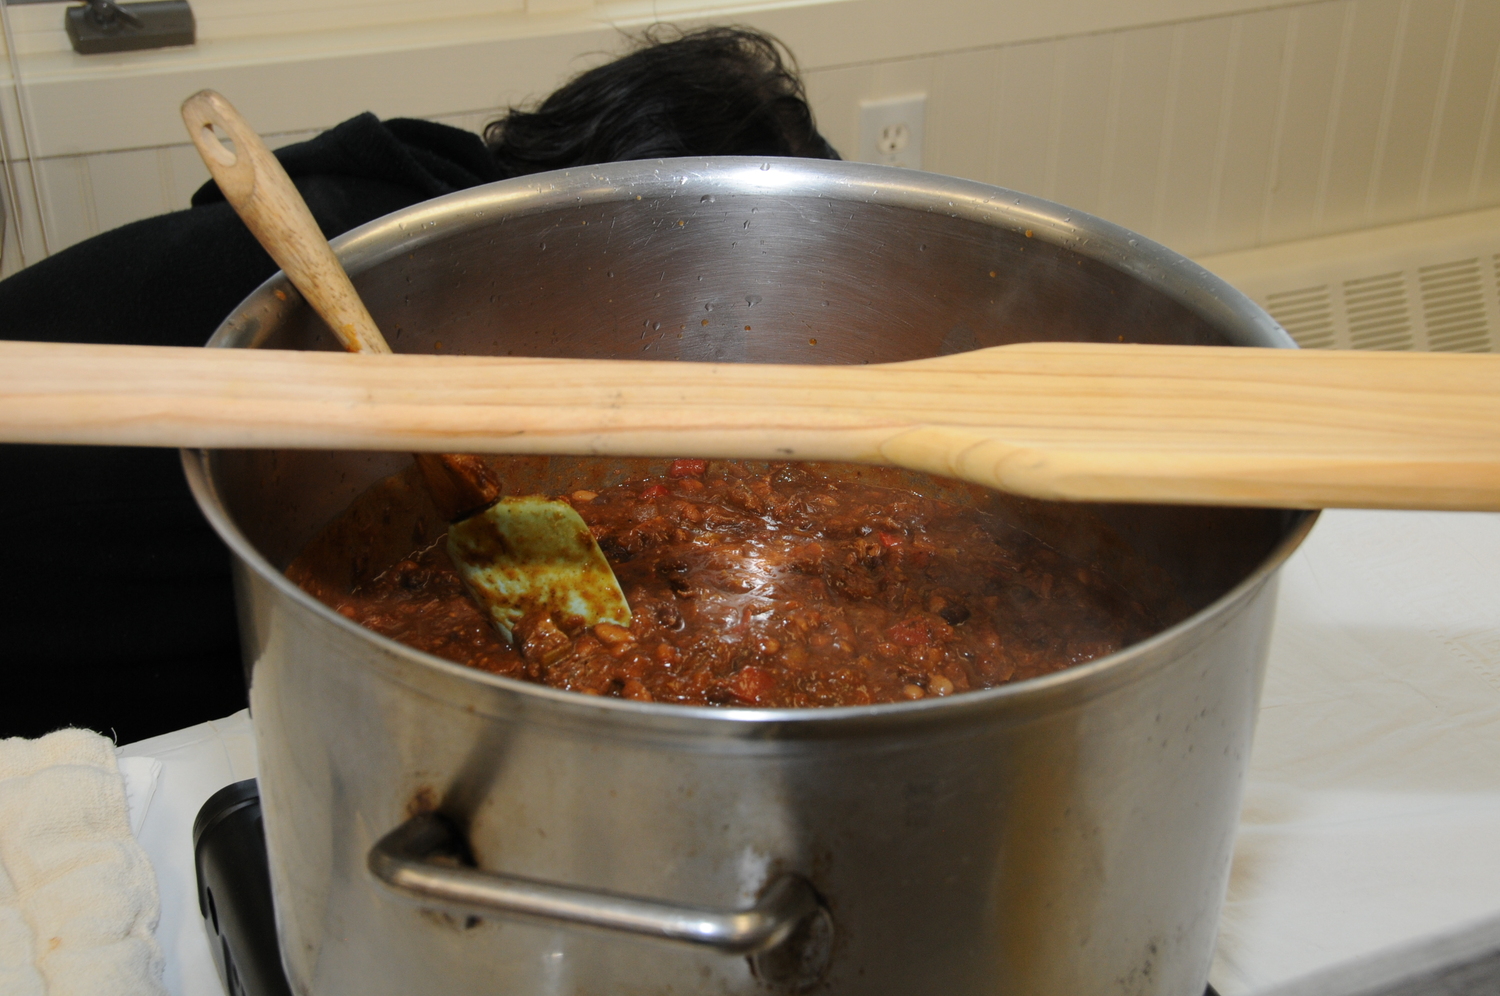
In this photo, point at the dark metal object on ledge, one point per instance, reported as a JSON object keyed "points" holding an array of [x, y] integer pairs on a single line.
{"points": [[106, 26]]}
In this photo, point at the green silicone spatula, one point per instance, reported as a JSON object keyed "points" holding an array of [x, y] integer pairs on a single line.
{"points": [[518, 556]]}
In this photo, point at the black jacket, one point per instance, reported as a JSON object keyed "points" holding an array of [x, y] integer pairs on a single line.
{"points": [[115, 606]]}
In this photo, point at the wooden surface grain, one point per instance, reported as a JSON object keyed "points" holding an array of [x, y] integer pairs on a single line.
{"points": [[1054, 420]]}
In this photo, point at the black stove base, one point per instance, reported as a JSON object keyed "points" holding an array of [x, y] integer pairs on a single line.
{"points": [[234, 892]]}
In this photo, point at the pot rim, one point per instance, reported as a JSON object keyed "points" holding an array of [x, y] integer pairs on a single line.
{"points": [[1153, 264]]}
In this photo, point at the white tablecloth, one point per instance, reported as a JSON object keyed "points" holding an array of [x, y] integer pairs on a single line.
{"points": [[1369, 844], [1369, 849], [195, 763]]}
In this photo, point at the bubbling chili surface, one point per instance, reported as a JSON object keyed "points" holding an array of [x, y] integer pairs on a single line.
{"points": [[776, 587]]}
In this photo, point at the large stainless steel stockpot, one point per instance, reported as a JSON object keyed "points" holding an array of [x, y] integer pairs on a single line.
{"points": [[435, 829]]}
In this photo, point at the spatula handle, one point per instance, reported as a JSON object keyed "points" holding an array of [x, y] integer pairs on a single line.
{"points": [[1083, 421], [257, 187]]}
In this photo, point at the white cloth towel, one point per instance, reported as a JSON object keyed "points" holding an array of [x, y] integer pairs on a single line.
{"points": [[78, 897]]}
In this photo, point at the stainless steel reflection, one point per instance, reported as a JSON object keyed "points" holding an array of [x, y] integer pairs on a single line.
{"points": [[1060, 836]]}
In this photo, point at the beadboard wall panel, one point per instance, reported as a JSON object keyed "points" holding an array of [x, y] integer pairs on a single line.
{"points": [[1414, 95], [1142, 74], [1356, 130], [954, 135], [71, 196], [1466, 122], [85, 195], [1079, 82], [1249, 106], [1211, 134], [294, 78], [1306, 104], [1224, 133], [1025, 102]]}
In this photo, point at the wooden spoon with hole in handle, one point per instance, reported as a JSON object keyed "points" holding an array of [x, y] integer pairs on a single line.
{"points": [[519, 557]]}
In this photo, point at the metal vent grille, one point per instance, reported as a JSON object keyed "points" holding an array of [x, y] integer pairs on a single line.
{"points": [[1307, 313], [1379, 315], [1453, 306], [1431, 285]]}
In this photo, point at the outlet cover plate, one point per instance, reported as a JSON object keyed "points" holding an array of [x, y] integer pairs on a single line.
{"points": [[890, 130]]}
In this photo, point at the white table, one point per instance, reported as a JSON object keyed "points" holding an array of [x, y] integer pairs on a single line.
{"points": [[1369, 847]]}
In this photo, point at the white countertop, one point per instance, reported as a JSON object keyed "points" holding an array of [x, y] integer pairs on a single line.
{"points": [[1369, 847]]}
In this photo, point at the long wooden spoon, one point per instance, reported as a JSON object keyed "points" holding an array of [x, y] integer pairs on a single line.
{"points": [[519, 556], [254, 183], [1190, 424]]}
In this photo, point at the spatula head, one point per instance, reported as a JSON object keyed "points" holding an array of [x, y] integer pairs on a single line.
{"points": [[529, 555]]}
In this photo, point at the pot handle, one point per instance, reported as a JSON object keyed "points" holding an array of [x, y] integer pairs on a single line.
{"points": [[787, 931]]}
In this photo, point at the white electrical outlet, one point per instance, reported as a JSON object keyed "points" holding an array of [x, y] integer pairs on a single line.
{"points": [[890, 131]]}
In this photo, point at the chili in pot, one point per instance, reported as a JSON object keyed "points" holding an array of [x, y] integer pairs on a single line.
{"points": [[779, 586]]}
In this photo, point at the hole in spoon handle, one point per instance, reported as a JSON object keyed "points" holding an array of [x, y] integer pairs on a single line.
{"points": [[232, 168]]}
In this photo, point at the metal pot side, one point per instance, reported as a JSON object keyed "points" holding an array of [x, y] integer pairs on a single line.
{"points": [[1066, 835]]}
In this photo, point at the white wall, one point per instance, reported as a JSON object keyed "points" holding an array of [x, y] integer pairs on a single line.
{"points": [[1212, 125], [1224, 132]]}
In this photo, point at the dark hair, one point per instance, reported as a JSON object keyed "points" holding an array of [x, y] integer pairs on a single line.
{"points": [[713, 91]]}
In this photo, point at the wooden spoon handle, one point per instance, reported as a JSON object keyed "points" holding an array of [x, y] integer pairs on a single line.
{"points": [[252, 180], [254, 183], [1081, 421]]}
